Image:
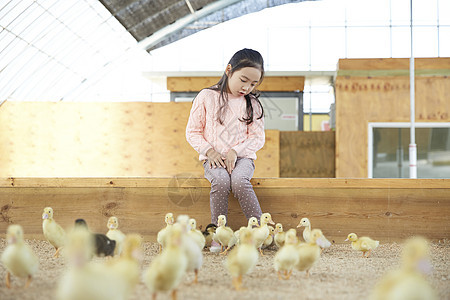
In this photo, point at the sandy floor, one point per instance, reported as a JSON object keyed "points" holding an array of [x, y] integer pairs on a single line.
{"points": [[340, 274]]}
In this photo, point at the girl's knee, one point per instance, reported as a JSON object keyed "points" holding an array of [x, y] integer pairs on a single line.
{"points": [[221, 182]]}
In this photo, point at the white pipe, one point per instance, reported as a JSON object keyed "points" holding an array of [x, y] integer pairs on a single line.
{"points": [[412, 144]]}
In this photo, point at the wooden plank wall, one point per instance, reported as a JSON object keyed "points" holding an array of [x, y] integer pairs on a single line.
{"points": [[270, 83], [67, 139], [377, 90], [307, 154], [386, 209]]}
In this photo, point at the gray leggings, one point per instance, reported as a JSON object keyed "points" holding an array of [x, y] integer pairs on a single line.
{"points": [[239, 183]]}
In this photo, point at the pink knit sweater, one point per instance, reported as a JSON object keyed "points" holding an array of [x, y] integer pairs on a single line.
{"points": [[203, 131]]}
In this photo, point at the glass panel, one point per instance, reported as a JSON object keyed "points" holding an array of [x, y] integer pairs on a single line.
{"points": [[367, 42], [424, 12], [444, 41], [391, 152], [425, 41], [322, 38], [280, 113]]}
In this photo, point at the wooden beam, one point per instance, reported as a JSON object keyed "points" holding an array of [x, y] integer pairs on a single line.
{"points": [[269, 84], [393, 63], [386, 209]]}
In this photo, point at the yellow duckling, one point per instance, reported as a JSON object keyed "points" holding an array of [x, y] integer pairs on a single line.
{"points": [[163, 232], [196, 234], [243, 258], [309, 253], [167, 270], [115, 234], [18, 258], [53, 232], [261, 233], [224, 235], [307, 231], [252, 222], [287, 256], [128, 265], [269, 240], [364, 244], [409, 281], [84, 279], [192, 251], [280, 235]]}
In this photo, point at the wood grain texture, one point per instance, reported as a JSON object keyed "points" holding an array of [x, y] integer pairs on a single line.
{"points": [[433, 63], [360, 100], [269, 84], [71, 139], [307, 154], [386, 209]]}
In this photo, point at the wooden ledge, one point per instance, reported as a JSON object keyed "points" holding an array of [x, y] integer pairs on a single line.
{"points": [[185, 181]]}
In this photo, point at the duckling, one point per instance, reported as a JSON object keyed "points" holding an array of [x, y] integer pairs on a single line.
{"points": [[307, 231], [224, 235], [261, 233], [18, 258], [53, 232], [196, 234], [287, 257], [409, 281], [364, 244], [103, 245], [127, 266], [167, 270], [280, 235], [192, 251], [252, 222], [84, 279], [115, 234], [209, 232], [163, 232], [309, 253], [243, 258], [269, 240]]}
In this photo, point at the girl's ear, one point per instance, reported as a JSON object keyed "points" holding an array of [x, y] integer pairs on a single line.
{"points": [[228, 69]]}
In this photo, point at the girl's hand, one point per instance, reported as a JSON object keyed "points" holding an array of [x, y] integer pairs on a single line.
{"points": [[230, 160], [215, 159]]}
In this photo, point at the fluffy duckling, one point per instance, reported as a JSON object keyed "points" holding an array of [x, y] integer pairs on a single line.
{"points": [[309, 253], [169, 220], [115, 234], [167, 270], [127, 266], [192, 251], [18, 258], [287, 257], [364, 244], [209, 232], [103, 245], [409, 281], [252, 222], [269, 240], [261, 233], [224, 235], [84, 279], [53, 232], [243, 258], [196, 234], [280, 235], [304, 222]]}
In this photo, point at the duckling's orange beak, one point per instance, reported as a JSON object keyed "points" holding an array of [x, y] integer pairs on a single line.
{"points": [[44, 216], [346, 240]]}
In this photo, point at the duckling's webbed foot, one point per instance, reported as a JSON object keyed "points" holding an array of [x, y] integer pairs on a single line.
{"points": [[8, 280], [27, 284]]}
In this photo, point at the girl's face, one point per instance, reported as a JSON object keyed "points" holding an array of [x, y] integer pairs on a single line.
{"points": [[242, 81]]}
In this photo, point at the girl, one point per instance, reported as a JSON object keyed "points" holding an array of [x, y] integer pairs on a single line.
{"points": [[226, 127]]}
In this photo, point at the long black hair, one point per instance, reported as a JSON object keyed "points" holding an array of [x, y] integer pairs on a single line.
{"points": [[242, 59]]}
